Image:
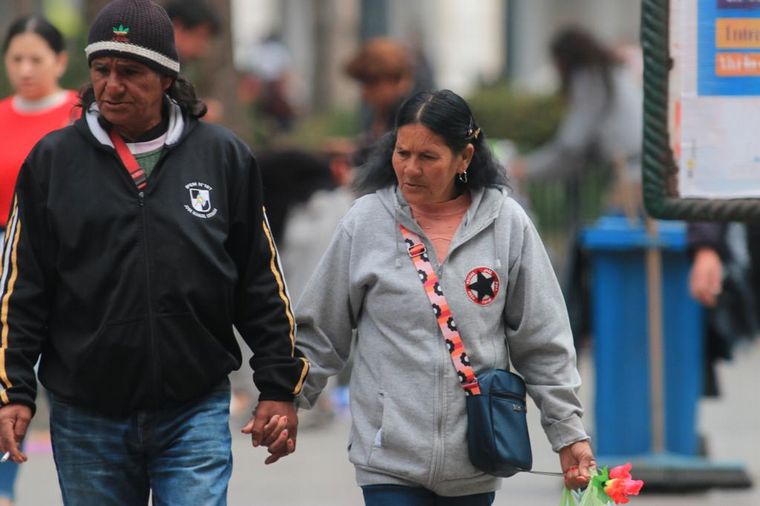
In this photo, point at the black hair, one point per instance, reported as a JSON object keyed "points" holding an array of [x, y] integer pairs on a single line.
{"points": [[181, 91], [39, 25], [573, 49], [193, 13], [447, 115], [290, 176]]}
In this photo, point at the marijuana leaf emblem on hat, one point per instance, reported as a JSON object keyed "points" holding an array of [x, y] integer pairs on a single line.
{"points": [[121, 33]]}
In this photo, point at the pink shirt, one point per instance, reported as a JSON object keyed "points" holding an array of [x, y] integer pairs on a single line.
{"points": [[440, 221], [19, 132]]}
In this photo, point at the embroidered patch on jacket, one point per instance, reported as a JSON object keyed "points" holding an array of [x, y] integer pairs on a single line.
{"points": [[120, 33], [482, 285], [200, 200]]}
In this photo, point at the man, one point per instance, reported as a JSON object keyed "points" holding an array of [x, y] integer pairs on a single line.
{"points": [[194, 24], [137, 239], [384, 69]]}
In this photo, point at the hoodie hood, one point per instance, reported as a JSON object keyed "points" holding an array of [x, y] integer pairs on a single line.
{"points": [[484, 209]]}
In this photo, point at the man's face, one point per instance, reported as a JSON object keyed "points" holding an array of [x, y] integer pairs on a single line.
{"points": [[192, 43], [129, 94], [383, 93]]}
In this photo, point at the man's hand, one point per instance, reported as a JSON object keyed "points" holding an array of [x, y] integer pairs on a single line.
{"points": [[275, 425], [576, 461], [14, 420], [706, 278]]}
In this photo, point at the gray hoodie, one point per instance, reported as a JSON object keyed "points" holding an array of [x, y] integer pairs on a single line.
{"points": [[407, 406]]}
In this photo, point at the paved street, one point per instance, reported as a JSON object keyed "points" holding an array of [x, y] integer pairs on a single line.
{"points": [[319, 474]]}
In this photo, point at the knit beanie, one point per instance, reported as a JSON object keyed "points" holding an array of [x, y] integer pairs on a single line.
{"points": [[136, 29]]}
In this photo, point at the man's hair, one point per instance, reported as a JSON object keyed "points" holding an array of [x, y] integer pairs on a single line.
{"points": [[380, 58], [193, 13]]}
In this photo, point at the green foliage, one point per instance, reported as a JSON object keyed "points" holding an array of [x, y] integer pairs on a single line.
{"points": [[526, 119], [311, 132], [77, 73]]}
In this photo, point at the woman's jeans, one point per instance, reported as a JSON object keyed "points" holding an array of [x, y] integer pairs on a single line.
{"points": [[397, 495], [180, 453]]}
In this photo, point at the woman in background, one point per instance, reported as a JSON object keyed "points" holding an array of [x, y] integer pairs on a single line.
{"points": [[35, 59]]}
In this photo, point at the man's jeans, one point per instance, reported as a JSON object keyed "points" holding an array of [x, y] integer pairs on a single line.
{"points": [[181, 453]]}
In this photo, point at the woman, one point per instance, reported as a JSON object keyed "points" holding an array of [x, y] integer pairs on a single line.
{"points": [[603, 123], [603, 118], [35, 58], [435, 175]]}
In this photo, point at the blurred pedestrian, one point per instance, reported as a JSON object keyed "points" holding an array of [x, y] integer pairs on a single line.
{"points": [[603, 119], [136, 240], [35, 57], [384, 69], [725, 279], [311, 220], [195, 24], [435, 176], [267, 81], [602, 123]]}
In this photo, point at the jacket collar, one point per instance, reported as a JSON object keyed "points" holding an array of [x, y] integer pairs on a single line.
{"points": [[174, 131]]}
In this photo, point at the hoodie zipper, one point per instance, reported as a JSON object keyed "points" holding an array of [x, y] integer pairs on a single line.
{"points": [[439, 447], [153, 363], [440, 454]]}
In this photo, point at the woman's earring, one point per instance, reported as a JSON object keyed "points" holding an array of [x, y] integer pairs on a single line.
{"points": [[462, 177]]}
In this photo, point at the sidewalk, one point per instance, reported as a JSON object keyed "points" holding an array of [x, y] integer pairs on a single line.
{"points": [[319, 473]]}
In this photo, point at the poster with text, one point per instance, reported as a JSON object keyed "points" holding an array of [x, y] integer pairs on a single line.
{"points": [[715, 97]]}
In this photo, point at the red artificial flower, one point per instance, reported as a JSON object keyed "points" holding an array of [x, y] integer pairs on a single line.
{"points": [[620, 485]]}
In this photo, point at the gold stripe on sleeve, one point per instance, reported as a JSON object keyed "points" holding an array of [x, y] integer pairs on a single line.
{"points": [[4, 377], [280, 283], [304, 372]]}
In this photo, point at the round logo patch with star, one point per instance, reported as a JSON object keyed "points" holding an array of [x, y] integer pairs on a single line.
{"points": [[482, 285]]}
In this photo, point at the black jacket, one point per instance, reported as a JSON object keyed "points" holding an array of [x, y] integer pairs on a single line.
{"points": [[131, 297]]}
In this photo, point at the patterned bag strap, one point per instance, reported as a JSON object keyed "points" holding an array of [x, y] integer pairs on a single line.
{"points": [[128, 159], [434, 291]]}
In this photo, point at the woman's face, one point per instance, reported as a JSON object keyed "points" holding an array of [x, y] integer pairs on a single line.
{"points": [[425, 166], [33, 67]]}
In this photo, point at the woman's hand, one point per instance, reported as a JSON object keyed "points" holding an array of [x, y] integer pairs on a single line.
{"points": [[576, 461]]}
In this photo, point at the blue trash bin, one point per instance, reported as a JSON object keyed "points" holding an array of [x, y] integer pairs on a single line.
{"points": [[617, 252]]}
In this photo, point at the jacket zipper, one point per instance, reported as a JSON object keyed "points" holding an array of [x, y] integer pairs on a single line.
{"points": [[153, 363], [439, 447]]}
